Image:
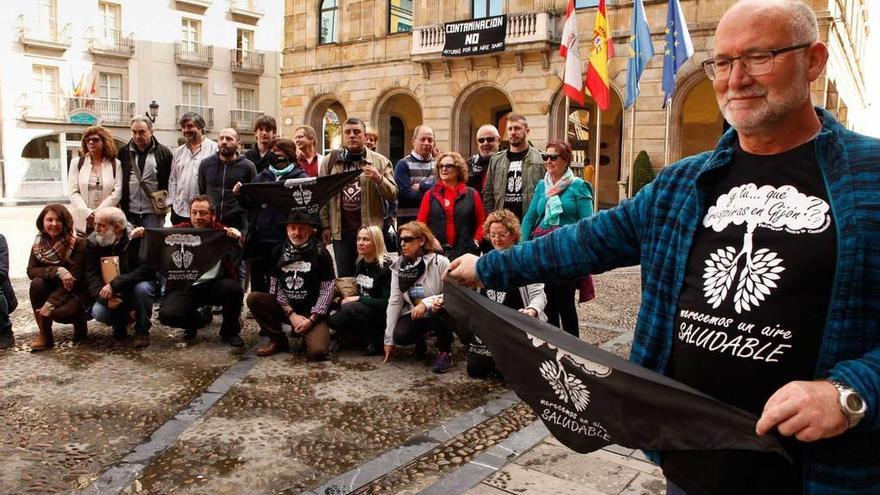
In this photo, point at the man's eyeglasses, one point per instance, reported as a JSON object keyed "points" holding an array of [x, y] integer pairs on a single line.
{"points": [[549, 156], [486, 140], [753, 63], [407, 239]]}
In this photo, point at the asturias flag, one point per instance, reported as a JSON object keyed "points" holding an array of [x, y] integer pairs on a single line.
{"points": [[602, 50], [678, 48], [641, 49], [572, 81]]}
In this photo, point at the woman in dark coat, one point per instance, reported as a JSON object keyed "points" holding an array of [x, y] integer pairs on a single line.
{"points": [[56, 268]]}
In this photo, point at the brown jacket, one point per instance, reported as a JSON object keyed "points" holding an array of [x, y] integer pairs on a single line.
{"points": [[76, 265], [373, 195]]}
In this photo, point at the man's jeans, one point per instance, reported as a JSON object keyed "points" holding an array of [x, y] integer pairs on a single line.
{"points": [[345, 254], [140, 300]]}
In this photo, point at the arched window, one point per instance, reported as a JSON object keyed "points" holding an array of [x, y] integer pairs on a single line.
{"points": [[328, 22], [400, 16]]}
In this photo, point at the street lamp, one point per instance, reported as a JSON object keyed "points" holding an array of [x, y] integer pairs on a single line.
{"points": [[153, 113]]}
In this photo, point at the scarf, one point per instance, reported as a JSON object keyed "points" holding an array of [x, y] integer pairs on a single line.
{"points": [[53, 253], [292, 254], [280, 173], [553, 208], [352, 157], [479, 164], [409, 272]]}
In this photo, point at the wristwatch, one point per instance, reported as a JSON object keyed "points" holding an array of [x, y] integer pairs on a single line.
{"points": [[850, 402]]}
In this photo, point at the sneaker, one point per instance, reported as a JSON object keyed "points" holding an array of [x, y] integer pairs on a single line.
{"points": [[233, 340], [141, 340], [7, 340], [442, 363], [189, 334]]}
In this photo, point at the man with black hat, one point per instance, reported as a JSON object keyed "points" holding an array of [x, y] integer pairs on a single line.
{"points": [[300, 290]]}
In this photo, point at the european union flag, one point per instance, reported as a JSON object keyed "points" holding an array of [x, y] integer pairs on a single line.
{"points": [[641, 49], [678, 48]]}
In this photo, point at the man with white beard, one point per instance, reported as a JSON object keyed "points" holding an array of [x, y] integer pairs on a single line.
{"points": [[134, 288]]}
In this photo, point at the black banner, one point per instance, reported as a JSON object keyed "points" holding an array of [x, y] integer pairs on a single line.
{"points": [[184, 255], [589, 398], [475, 37], [307, 194]]}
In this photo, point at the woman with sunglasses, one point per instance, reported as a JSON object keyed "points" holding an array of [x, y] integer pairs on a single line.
{"points": [[94, 178], [560, 199], [363, 315], [453, 211], [416, 282], [56, 268], [267, 224]]}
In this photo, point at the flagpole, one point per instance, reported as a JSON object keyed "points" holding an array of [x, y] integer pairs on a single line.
{"points": [[598, 150], [632, 144], [666, 139]]}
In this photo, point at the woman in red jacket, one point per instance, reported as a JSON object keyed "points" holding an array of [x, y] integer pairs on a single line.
{"points": [[452, 210]]}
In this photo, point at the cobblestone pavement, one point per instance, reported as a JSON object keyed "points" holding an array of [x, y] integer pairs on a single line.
{"points": [[78, 414]]}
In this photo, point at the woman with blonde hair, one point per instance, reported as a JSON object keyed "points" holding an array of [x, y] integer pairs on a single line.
{"points": [[416, 283], [363, 315], [452, 210], [94, 178]]}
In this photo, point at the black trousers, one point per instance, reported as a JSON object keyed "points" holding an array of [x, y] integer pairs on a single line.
{"points": [[181, 307], [361, 322], [561, 306], [262, 267], [409, 331], [345, 254]]}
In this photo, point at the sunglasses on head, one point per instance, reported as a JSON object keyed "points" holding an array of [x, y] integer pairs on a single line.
{"points": [[407, 239], [549, 156], [486, 140]]}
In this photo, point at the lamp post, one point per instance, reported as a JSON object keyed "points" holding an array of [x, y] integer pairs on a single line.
{"points": [[153, 113]]}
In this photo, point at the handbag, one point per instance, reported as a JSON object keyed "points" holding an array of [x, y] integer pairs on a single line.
{"points": [[158, 199]]}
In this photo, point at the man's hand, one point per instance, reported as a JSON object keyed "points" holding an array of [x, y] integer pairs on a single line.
{"points": [[372, 174], [529, 311], [463, 271], [415, 187], [389, 351], [114, 302], [418, 311], [236, 189], [106, 292], [304, 325], [137, 233], [325, 237], [46, 310], [809, 411], [437, 305], [233, 232]]}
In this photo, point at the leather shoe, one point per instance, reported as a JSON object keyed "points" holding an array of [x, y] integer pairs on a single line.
{"points": [[141, 340], [233, 340], [271, 348]]}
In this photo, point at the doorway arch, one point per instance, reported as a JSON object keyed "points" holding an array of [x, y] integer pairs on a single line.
{"points": [[326, 115], [479, 104], [395, 116]]}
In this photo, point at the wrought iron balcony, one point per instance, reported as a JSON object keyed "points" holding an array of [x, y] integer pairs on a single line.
{"points": [[207, 113], [246, 62], [243, 120], [525, 31], [62, 108], [46, 33], [110, 42], [193, 54]]}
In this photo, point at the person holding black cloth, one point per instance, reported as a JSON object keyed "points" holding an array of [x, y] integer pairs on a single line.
{"points": [[363, 314], [300, 291]]}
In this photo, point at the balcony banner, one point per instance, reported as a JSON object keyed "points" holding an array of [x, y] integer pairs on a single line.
{"points": [[475, 37]]}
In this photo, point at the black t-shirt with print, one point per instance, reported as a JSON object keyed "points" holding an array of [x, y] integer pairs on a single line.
{"points": [[301, 280], [752, 309], [351, 203], [513, 197]]}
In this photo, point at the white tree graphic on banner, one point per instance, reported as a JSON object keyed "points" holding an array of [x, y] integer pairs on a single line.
{"points": [[767, 207]]}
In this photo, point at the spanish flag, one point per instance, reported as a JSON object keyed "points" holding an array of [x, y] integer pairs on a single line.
{"points": [[602, 49]]}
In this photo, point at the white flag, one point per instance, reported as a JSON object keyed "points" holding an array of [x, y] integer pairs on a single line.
{"points": [[573, 79]]}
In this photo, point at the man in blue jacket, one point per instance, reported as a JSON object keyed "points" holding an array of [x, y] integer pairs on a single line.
{"points": [[760, 267]]}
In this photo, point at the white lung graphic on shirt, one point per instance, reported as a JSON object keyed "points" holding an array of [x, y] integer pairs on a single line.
{"points": [[779, 209]]}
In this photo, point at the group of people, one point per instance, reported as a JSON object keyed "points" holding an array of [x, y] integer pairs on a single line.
{"points": [[371, 294]]}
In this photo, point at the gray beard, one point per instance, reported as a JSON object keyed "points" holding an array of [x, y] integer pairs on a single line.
{"points": [[105, 239]]}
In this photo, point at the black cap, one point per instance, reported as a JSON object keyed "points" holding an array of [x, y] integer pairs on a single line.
{"points": [[301, 215]]}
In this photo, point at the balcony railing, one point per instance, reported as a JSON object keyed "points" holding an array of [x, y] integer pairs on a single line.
{"points": [[243, 120], [246, 62], [246, 10], [207, 113], [54, 107], [44, 33], [522, 30], [104, 41], [193, 55]]}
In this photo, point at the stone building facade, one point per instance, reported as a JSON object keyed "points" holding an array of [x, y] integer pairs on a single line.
{"points": [[352, 58]]}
